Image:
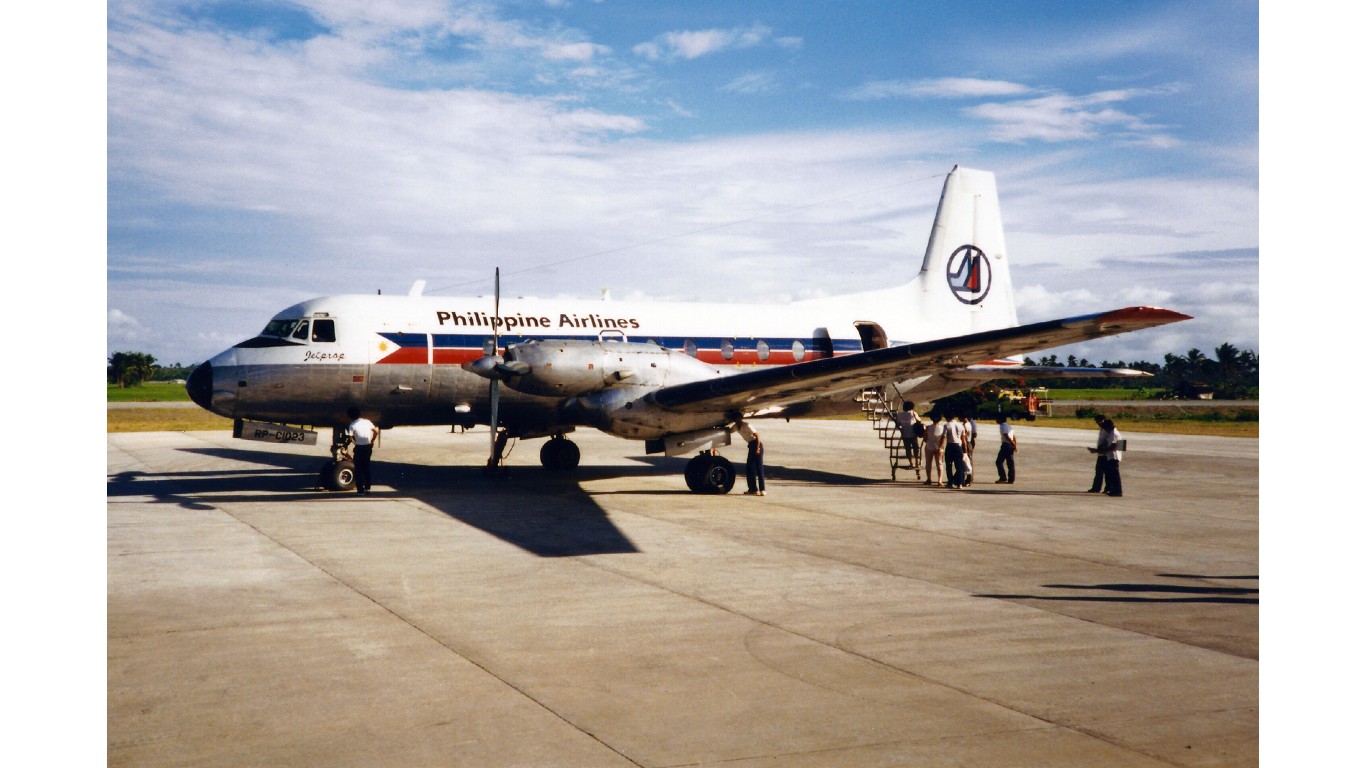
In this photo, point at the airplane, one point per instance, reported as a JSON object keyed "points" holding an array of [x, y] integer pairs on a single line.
{"points": [[679, 376]]}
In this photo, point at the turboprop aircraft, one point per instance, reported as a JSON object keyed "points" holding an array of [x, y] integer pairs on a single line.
{"points": [[678, 376]]}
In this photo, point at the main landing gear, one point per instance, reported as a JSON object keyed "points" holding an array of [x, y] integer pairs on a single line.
{"points": [[339, 474], [707, 473], [559, 454]]}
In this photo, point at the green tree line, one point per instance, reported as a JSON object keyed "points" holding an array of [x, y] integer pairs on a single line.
{"points": [[133, 369], [1231, 374]]}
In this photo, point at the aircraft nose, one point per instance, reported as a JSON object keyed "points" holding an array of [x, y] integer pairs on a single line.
{"points": [[200, 386]]}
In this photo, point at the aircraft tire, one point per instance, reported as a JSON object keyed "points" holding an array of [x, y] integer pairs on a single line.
{"points": [[693, 472], [709, 474], [339, 475], [720, 476], [560, 454]]}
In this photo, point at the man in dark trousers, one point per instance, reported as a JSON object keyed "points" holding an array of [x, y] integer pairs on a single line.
{"points": [[955, 443], [363, 434], [754, 461], [1112, 448], [1098, 482], [1005, 458]]}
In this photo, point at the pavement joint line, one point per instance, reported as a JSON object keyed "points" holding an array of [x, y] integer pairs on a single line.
{"points": [[486, 670], [812, 533], [872, 660]]}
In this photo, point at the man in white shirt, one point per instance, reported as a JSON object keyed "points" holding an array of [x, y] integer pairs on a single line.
{"points": [[906, 422], [1112, 451], [363, 434], [1098, 480], [934, 451], [1005, 458], [955, 439]]}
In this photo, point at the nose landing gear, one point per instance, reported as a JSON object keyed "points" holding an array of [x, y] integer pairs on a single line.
{"points": [[339, 474]]}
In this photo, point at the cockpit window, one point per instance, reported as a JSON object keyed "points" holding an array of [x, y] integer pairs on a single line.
{"points": [[301, 333], [281, 329], [324, 330]]}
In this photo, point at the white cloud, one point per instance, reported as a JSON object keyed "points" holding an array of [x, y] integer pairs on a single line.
{"points": [[1060, 117], [360, 184], [573, 51], [124, 330], [946, 87], [694, 44], [755, 82], [1054, 117], [387, 14]]}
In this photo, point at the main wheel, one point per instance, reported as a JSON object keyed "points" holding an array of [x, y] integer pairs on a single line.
{"points": [[559, 454], [709, 474], [339, 475], [693, 473], [719, 477]]}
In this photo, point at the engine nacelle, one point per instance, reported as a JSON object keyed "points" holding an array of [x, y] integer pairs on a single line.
{"points": [[575, 368]]}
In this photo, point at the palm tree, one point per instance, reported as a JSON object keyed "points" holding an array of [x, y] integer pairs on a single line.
{"points": [[130, 368]]}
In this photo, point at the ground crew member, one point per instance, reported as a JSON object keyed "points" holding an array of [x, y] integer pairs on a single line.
{"points": [[1005, 458], [363, 434]]}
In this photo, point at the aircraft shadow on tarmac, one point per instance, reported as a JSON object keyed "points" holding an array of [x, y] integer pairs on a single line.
{"points": [[1150, 593], [545, 513], [790, 475]]}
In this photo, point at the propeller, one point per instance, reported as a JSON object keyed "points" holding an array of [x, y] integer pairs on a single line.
{"points": [[495, 454], [496, 369]]}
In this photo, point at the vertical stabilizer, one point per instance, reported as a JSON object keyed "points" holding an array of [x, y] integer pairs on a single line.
{"points": [[964, 282]]}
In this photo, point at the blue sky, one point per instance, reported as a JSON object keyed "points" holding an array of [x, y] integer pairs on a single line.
{"points": [[262, 153]]}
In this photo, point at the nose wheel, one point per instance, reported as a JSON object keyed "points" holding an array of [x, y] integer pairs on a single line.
{"points": [[338, 475]]}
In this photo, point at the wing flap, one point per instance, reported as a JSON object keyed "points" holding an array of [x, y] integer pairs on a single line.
{"points": [[803, 382]]}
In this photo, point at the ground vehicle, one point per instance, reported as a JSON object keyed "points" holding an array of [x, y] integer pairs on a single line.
{"points": [[1016, 404]]}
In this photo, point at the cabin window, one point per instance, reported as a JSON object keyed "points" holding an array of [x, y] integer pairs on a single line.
{"points": [[324, 330], [301, 332], [690, 348], [762, 348], [727, 349], [798, 351]]}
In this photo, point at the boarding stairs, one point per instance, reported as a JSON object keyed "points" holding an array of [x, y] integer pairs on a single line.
{"points": [[878, 410]]}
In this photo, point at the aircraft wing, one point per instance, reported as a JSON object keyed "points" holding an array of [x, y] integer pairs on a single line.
{"points": [[992, 372], [803, 382]]}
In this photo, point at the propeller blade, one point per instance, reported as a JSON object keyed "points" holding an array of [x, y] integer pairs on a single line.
{"points": [[493, 424], [493, 380]]}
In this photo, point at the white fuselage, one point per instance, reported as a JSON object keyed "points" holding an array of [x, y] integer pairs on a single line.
{"points": [[399, 358]]}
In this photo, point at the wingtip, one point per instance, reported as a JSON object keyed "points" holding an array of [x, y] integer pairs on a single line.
{"points": [[1144, 315]]}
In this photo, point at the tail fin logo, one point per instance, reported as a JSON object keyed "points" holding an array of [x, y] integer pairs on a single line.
{"points": [[969, 273]]}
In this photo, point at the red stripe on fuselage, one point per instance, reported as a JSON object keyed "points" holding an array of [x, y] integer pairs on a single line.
{"points": [[418, 356], [455, 356], [405, 356]]}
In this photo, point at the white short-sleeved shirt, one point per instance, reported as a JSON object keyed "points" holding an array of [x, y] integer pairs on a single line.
{"points": [[360, 430], [934, 433], [1112, 453], [957, 432], [1006, 431]]}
